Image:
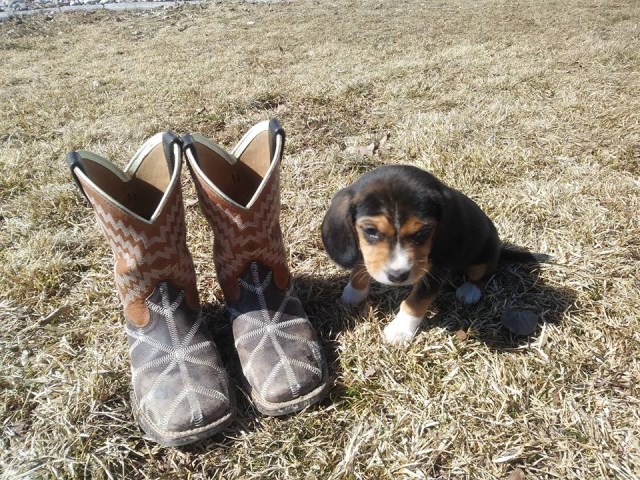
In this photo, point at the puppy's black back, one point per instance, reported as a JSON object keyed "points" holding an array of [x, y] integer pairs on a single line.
{"points": [[465, 236]]}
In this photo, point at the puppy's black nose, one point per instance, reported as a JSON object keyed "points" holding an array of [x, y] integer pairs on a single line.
{"points": [[397, 276]]}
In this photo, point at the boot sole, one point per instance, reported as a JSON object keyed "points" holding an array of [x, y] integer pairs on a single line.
{"points": [[176, 439], [280, 409]]}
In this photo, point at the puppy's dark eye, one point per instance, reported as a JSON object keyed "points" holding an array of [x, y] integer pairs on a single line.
{"points": [[371, 233], [420, 236]]}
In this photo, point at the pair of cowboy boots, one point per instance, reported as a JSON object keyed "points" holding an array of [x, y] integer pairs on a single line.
{"points": [[181, 392]]}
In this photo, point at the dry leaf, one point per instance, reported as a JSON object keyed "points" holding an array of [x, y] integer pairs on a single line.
{"points": [[19, 427], [384, 139], [58, 312], [508, 456], [368, 151], [462, 335], [520, 322]]}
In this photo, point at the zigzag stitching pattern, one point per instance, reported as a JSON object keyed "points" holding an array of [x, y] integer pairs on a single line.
{"points": [[232, 227], [230, 267], [133, 248], [124, 240], [141, 237], [268, 204], [133, 285]]}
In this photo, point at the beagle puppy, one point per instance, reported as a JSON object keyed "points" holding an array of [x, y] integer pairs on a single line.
{"points": [[400, 225]]}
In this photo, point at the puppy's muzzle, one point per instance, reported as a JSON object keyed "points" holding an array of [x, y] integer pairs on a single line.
{"points": [[397, 276]]}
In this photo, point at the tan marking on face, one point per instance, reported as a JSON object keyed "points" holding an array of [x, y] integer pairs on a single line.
{"points": [[411, 226], [418, 255], [376, 255]]}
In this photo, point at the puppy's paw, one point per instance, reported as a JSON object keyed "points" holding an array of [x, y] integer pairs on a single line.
{"points": [[468, 293], [353, 296], [402, 329]]}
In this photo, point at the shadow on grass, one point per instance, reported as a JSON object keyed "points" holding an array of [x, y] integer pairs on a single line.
{"points": [[516, 287], [513, 287]]}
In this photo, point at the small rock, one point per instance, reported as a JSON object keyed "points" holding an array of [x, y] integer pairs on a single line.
{"points": [[520, 322]]}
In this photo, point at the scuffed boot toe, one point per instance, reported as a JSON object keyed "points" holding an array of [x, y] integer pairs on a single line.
{"points": [[281, 357], [181, 391]]}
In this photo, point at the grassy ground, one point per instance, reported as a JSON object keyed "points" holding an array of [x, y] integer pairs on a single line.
{"points": [[530, 107]]}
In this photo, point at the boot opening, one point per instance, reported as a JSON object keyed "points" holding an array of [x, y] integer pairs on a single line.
{"points": [[238, 181], [144, 191]]}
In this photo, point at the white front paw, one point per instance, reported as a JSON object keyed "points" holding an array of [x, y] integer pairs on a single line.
{"points": [[353, 296], [468, 293], [402, 329]]}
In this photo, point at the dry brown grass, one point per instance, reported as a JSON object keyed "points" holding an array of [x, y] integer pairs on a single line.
{"points": [[531, 107]]}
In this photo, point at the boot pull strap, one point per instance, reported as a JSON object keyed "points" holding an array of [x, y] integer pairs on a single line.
{"points": [[276, 130], [169, 140], [74, 160], [188, 143]]}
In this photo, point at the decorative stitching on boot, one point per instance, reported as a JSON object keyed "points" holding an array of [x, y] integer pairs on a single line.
{"points": [[243, 229], [272, 330], [177, 355], [149, 253]]}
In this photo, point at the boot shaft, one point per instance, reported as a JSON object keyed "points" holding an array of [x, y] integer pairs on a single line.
{"points": [[282, 363], [141, 213], [239, 193]]}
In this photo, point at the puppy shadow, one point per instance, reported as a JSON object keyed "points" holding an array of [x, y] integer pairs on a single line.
{"points": [[513, 289]]}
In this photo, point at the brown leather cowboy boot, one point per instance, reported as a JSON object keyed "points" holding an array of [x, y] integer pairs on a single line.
{"points": [[180, 388], [281, 358]]}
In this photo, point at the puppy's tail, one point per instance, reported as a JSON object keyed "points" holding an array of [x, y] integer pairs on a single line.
{"points": [[510, 254]]}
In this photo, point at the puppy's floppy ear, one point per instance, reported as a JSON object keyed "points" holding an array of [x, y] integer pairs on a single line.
{"points": [[338, 230]]}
